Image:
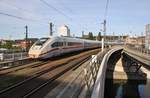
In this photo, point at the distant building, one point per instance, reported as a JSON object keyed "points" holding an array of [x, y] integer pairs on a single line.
{"points": [[147, 36], [64, 31], [135, 41], [115, 38], [2, 42], [22, 43], [108, 37]]}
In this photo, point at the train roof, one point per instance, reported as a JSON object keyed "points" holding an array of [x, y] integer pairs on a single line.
{"points": [[72, 38]]}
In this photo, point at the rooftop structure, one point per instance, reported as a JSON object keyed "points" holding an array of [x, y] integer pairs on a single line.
{"points": [[135, 41], [64, 31]]}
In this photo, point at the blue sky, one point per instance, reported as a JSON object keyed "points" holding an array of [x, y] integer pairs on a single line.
{"points": [[123, 16]]}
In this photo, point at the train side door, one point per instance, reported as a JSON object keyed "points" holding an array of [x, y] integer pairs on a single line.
{"points": [[83, 44], [60, 46], [64, 45]]}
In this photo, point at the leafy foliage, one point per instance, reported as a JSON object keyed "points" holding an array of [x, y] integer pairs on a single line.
{"points": [[99, 37], [91, 36]]}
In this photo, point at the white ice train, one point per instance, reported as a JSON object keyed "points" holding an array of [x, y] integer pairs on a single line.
{"points": [[54, 46]]}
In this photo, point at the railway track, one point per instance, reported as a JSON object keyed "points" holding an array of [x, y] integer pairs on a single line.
{"points": [[38, 91], [39, 79], [16, 68], [30, 86], [13, 76], [13, 69], [9, 78]]}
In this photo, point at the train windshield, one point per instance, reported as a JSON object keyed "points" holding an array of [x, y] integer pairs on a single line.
{"points": [[41, 41]]}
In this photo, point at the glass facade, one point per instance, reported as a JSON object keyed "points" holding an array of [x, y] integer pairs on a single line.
{"points": [[147, 36]]}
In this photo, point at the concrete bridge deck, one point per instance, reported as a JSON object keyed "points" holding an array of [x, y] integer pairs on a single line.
{"points": [[121, 69], [137, 56]]}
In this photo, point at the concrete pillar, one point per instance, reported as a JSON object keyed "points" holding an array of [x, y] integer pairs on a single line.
{"points": [[102, 44]]}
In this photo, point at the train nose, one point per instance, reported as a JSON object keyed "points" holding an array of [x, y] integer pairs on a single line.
{"points": [[33, 56]]}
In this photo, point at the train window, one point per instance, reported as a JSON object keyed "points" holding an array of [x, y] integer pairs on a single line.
{"points": [[41, 41], [54, 44], [74, 43], [57, 44], [69, 43], [60, 44], [65, 44]]}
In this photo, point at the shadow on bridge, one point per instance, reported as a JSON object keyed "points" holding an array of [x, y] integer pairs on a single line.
{"points": [[128, 88]]}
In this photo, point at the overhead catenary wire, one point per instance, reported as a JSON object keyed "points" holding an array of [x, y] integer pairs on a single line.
{"points": [[28, 11], [16, 7], [105, 16], [21, 9], [21, 18], [106, 9], [13, 16], [67, 8], [18, 17], [57, 10]]}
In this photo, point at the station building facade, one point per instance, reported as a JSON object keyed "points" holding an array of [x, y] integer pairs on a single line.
{"points": [[147, 36]]}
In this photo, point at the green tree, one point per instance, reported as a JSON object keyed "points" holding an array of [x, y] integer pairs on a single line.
{"points": [[99, 37], [7, 45], [91, 36]]}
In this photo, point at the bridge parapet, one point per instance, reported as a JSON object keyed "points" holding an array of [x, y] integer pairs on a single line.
{"points": [[80, 83], [137, 56], [141, 51], [98, 91]]}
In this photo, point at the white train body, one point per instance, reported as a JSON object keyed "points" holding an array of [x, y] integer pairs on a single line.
{"points": [[54, 46]]}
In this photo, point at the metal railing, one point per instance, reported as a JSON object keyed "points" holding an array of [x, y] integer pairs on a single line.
{"points": [[13, 56], [82, 80], [91, 71], [144, 51], [98, 90]]}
